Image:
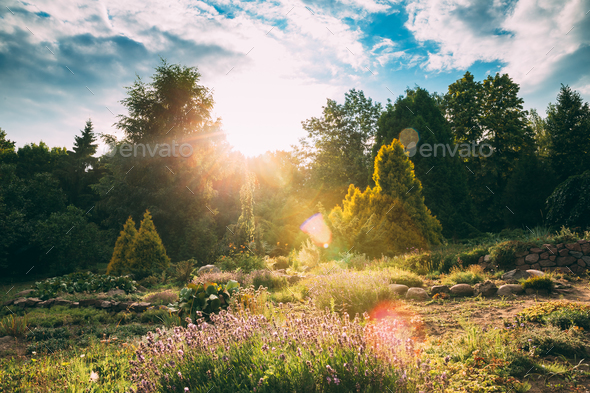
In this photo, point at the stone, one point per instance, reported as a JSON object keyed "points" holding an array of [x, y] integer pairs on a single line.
{"points": [[46, 303], [564, 252], [582, 241], [416, 293], [439, 289], [462, 290], [565, 261], [552, 250], [32, 301], [25, 293], [115, 292], [547, 263], [487, 258], [535, 273], [480, 260], [576, 254], [559, 246], [75, 305], [536, 250], [20, 302], [510, 289], [544, 255], [519, 261], [61, 302], [520, 254], [581, 263], [139, 307], [515, 275], [536, 266], [486, 289], [573, 247], [552, 257], [587, 260], [208, 269], [89, 302], [532, 258], [586, 248], [105, 304], [124, 306], [523, 267], [8, 302], [141, 288], [399, 289]]}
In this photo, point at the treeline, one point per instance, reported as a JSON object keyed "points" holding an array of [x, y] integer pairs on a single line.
{"points": [[63, 210]]}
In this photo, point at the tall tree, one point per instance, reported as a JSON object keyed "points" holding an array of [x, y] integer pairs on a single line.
{"points": [[441, 173], [148, 255], [568, 126], [338, 145]]}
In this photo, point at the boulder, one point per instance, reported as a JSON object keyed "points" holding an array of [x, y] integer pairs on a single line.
{"points": [[532, 258], [520, 254], [536, 266], [581, 263], [8, 302], [25, 293], [536, 250], [535, 273], [416, 293], [32, 301], [140, 307], [61, 302], [115, 292], [439, 289], [89, 302], [46, 303], [75, 305], [398, 289], [587, 260], [124, 306], [586, 248], [564, 252], [20, 302], [574, 247], [547, 263], [487, 258], [565, 261], [486, 289], [515, 275], [544, 255], [104, 304], [576, 254], [552, 258], [524, 267], [462, 290], [519, 261], [208, 269], [510, 289]]}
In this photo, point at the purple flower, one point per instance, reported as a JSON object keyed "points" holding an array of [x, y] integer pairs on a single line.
{"points": [[186, 389]]}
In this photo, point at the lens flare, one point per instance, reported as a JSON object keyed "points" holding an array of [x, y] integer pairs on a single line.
{"points": [[392, 324], [318, 231], [409, 137]]}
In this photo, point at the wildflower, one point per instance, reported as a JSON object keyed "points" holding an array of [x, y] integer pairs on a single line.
{"points": [[329, 379], [186, 389], [82, 355], [179, 375]]}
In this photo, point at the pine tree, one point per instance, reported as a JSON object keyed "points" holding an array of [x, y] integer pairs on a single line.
{"points": [[121, 259], [149, 255]]}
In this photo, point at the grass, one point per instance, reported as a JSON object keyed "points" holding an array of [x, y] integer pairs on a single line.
{"points": [[13, 326], [472, 275], [544, 283]]}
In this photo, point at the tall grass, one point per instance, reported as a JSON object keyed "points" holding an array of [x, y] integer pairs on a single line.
{"points": [[13, 326]]}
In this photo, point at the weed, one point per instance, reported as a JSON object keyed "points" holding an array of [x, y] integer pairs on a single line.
{"points": [[538, 283], [13, 326]]}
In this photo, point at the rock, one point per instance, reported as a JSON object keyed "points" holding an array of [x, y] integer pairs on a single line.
{"points": [[576, 254], [89, 302], [141, 288], [462, 290], [582, 241], [536, 250], [552, 258], [586, 248], [564, 252], [480, 260], [416, 293], [32, 301], [519, 261], [532, 258], [439, 289], [535, 273], [61, 302], [105, 304], [25, 293], [559, 246], [552, 250], [547, 263], [581, 263], [520, 254], [140, 307], [75, 305], [565, 261], [46, 303], [523, 267], [486, 289], [515, 275], [544, 255], [531, 291], [398, 289], [20, 302], [536, 266], [510, 289], [115, 292], [487, 258], [573, 247], [587, 260], [209, 269], [122, 306], [8, 302]]}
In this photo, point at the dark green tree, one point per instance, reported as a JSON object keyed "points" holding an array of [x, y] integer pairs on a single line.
{"points": [[569, 204], [568, 126], [439, 168]]}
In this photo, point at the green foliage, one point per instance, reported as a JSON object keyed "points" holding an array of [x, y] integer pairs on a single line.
{"points": [[61, 316], [551, 341], [565, 319], [12, 325], [569, 203], [195, 300], [472, 275], [355, 261], [161, 298], [503, 254], [404, 277], [309, 256], [279, 262], [148, 255], [565, 235], [81, 282], [184, 271], [244, 261], [561, 314], [122, 254], [538, 283], [268, 280]]}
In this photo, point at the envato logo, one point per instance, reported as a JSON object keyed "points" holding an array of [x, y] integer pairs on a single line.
{"points": [[145, 149], [409, 137]]}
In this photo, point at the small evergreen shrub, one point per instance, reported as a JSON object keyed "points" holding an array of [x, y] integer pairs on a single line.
{"points": [[472, 275], [149, 255], [121, 260], [504, 254], [538, 283]]}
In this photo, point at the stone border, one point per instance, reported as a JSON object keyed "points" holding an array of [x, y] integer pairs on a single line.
{"points": [[33, 302]]}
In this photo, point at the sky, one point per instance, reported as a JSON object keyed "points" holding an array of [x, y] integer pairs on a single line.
{"points": [[273, 64]]}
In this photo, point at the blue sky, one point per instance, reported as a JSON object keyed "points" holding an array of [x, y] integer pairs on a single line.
{"points": [[61, 63]]}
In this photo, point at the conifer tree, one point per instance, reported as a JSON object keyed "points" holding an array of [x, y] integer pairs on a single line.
{"points": [[121, 259], [149, 255]]}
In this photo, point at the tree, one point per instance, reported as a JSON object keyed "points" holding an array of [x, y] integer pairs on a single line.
{"points": [[568, 126], [123, 253], [38, 158], [7, 153], [569, 204], [443, 176], [148, 255], [338, 145]]}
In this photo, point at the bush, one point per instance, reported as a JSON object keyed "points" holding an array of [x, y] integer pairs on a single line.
{"points": [[569, 202], [268, 280], [242, 261], [150, 282], [538, 283], [355, 261], [565, 319], [472, 275], [503, 254], [279, 262], [13, 326], [309, 256], [404, 277], [81, 282], [196, 300], [550, 340], [184, 271], [162, 298], [565, 235]]}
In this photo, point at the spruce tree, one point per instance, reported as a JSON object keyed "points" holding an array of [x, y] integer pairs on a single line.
{"points": [[149, 255], [121, 260]]}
